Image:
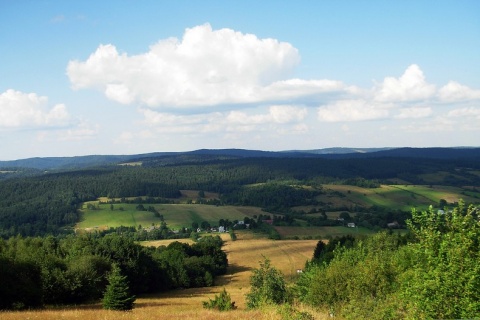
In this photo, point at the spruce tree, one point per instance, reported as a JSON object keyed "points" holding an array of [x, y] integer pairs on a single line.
{"points": [[117, 295]]}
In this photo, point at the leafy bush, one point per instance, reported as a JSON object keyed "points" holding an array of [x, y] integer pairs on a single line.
{"points": [[444, 280], [222, 302], [436, 275], [267, 286]]}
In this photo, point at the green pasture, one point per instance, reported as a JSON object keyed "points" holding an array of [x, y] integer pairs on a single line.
{"points": [[121, 215], [182, 215], [403, 197], [175, 215]]}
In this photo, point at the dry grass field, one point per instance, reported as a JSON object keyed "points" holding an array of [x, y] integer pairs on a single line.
{"points": [[243, 256]]}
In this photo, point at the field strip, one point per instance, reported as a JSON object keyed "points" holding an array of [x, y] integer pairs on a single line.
{"points": [[414, 193]]}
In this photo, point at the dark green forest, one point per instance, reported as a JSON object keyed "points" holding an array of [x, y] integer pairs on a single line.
{"points": [[37, 271]]}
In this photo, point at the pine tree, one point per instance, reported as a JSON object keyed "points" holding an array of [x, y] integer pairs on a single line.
{"points": [[117, 296]]}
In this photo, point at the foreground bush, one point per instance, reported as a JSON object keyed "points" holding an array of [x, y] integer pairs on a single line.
{"points": [[267, 286], [437, 275], [222, 302]]}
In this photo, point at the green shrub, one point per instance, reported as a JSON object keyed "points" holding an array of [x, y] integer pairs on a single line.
{"points": [[267, 286], [222, 302]]}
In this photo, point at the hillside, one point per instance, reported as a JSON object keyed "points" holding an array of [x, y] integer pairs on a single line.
{"points": [[53, 163]]}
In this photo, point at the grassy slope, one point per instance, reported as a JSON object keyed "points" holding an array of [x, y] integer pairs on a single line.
{"points": [[243, 255], [175, 215], [403, 197]]}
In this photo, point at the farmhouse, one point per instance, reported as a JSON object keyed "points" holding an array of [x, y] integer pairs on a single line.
{"points": [[351, 225]]}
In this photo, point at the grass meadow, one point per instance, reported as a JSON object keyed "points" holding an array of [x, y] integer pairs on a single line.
{"points": [[175, 215], [243, 255], [403, 197]]}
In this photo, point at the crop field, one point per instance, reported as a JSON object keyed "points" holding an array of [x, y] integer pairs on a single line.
{"points": [[403, 197], [243, 255], [175, 215]]}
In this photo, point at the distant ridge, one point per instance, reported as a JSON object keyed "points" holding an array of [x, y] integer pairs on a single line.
{"points": [[340, 150], [55, 163]]}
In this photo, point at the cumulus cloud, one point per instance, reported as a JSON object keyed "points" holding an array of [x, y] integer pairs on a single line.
{"points": [[233, 121], [454, 91], [411, 86], [470, 112], [277, 114], [399, 98], [287, 114], [19, 110], [414, 113], [206, 67], [352, 110], [82, 131]]}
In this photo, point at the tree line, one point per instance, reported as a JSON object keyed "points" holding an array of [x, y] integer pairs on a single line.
{"points": [[52, 270]]}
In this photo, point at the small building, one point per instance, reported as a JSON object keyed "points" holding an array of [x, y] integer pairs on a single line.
{"points": [[351, 225]]}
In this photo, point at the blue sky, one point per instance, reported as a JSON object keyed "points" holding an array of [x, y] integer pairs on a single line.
{"points": [[124, 77]]}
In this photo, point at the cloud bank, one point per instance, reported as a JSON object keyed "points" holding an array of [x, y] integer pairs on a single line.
{"points": [[205, 68], [212, 68], [28, 110]]}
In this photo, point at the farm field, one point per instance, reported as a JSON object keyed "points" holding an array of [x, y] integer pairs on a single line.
{"points": [[176, 215], [243, 255], [402, 197]]}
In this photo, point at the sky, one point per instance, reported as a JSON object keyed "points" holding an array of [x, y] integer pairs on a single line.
{"points": [[127, 77]]}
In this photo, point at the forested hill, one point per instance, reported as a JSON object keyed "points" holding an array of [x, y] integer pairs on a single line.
{"points": [[44, 202], [52, 163]]}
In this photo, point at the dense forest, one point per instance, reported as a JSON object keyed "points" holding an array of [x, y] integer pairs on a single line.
{"points": [[70, 270]]}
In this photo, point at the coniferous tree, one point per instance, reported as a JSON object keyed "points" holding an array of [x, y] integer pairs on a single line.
{"points": [[117, 295]]}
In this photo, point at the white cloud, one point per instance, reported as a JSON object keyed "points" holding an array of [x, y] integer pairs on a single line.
{"points": [[298, 88], [454, 91], [82, 131], [437, 125], [163, 119], [411, 86], [20, 110], [470, 112], [414, 113], [222, 122], [207, 67], [277, 114], [352, 110], [287, 114]]}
